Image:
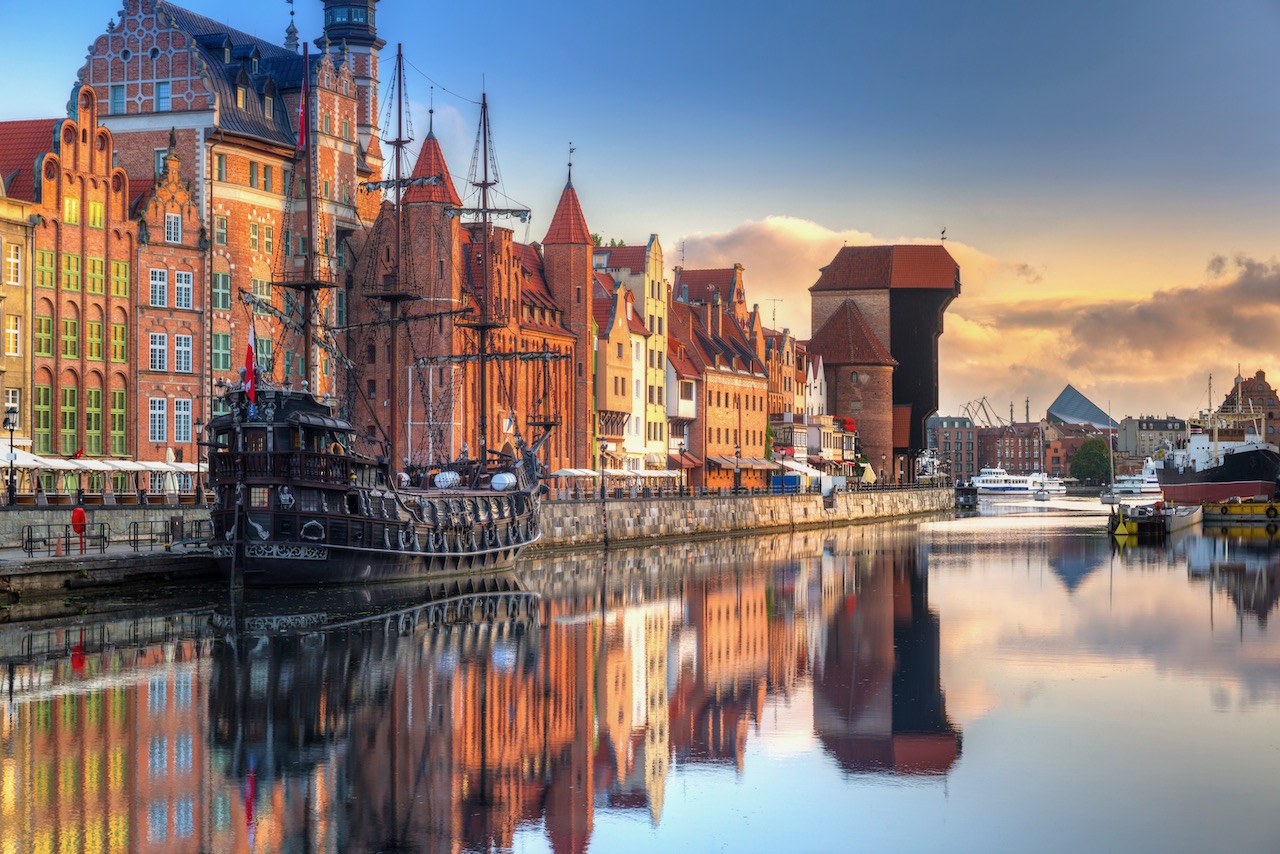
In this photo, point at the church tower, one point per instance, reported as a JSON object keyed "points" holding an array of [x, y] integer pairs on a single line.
{"points": [[350, 26]]}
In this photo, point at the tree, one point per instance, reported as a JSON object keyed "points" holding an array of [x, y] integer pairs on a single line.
{"points": [[1092, 462]]}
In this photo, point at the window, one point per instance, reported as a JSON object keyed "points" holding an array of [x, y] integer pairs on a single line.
{"points": [[342, 255], [13, 403], [117, 100], [262, 290], [13, 264], [327, 124], [94, 328], [71, 272], [160, 154], [182, 353], [160, 288], [12, 335], [266, 171], [326, 188], [71, 210], [93, 422], [172, 228], [43, 419], [162, 97], [253, 174], [183, 289], [269, 110], [182, 420], [70, 337], [120, 278], [262, 352], [43, 335], [158, 420], [94, 278], [340, 308], [220, 167], [253, 236], [302, 244], [118, 414], [346, 129], [240, 97], [220, 230], [222, 290], [96, 214], [268, 239], [159, 351], [119, 343], [69, 419], [221, 351]]}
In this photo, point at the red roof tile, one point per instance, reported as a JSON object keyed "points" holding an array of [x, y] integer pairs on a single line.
{"points": [[604, 285], [533, 285], [431, 162], [602, 311], [632, 258], [845, 339], [568, 226], [704, 284], [22, 145], [875, 267]]}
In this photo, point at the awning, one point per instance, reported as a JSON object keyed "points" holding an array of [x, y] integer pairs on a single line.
{"points": [[801, 468], [574, 473], [658, 473], [683, 461], [653, 459], [620, 472], [316, 419]]}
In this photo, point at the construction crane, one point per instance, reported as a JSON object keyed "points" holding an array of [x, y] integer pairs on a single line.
{"points": [[982, 414]]}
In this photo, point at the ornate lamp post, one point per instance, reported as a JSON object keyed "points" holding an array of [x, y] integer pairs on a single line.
{"points": [[684, 472], [882, 458], [737, 468], [11, 424], [199, 425]]}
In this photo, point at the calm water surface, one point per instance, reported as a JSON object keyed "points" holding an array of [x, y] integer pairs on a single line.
{"points": [[1005, 682]]}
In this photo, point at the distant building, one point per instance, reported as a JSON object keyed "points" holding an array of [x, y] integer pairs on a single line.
{"points": [[1017, 448], [1256, 394], [954, 437], [1144, 435], [1072, 407]]}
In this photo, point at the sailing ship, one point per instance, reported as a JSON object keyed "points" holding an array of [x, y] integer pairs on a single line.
{"points": [[1223, 456], [296, 503]]}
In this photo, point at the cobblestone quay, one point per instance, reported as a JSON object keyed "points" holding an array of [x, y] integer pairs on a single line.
{"points": [[578, 523]]}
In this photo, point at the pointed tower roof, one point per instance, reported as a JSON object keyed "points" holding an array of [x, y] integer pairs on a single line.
{"points": [[568, 225], [431, 162], [845, 339]]}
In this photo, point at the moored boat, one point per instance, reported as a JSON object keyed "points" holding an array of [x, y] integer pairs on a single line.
{"points": [[996, 481]]}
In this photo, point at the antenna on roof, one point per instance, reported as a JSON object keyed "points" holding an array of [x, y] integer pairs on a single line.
{"points": [[571, 151], [775, 301], [944, 234], [431, 109]]}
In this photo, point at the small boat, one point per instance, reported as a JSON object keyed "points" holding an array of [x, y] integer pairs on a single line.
{"points": [[1145, 483], [1041, 494], [966, 496], [1151, 523]]}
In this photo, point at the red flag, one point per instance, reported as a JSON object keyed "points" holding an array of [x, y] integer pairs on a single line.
{"points": [[250, 378], [302, 102]]}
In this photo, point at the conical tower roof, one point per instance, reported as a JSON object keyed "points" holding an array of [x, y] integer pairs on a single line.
{"points": [[568, 225], [431, 162]]}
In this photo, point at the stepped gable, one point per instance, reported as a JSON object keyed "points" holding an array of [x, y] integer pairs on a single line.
{"points": [[568, 226], [632, 258], [879, 267], [845, 339], [703, 285], [431, 162], [23, 145]]}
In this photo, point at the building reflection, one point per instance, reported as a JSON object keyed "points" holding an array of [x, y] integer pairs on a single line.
{"points": [[1242, 564], [456, 717]]}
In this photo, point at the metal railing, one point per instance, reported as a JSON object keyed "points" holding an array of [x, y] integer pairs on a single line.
{"points": [[56, 540], [164, 534]]}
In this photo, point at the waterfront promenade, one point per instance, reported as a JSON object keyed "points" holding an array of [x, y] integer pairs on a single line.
{"points": [[40, 549]]}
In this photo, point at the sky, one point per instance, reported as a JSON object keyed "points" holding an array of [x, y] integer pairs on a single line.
{"points": [[1106, 172]]}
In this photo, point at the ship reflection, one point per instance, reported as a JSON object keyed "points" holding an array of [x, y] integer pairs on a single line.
{"points": [[1241, 563]]}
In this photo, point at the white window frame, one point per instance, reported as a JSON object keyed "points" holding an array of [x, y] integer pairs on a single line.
{"points": [[13, 335], [183, 289], [159, 288], [13, 403], [182, 419], [173, 228], [158, 420], [159, 351], [13, 264], [182, 351]]}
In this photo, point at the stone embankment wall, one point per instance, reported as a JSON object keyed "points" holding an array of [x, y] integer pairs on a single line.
{"points": [[591, 522], [120, 518]]}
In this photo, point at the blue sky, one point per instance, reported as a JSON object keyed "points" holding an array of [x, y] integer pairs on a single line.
{"points": [[1089, 161]]}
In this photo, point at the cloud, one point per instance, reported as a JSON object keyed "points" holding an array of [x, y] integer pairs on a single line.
{"points": [[1016, 332]]}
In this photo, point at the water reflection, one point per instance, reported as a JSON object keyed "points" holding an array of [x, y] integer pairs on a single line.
{"points": [[652, 698]]}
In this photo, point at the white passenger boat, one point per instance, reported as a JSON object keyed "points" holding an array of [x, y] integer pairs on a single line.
{"points": [[1146, 483], [997, 481]]}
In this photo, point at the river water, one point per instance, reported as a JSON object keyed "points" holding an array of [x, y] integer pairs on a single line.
{"points": [[1010, 681]]}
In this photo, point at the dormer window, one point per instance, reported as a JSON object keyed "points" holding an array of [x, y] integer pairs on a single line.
{"points": [[226, 54], [254, 64], [268, 107], [240, 97]]}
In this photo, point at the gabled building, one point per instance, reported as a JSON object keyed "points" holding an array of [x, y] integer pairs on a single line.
{"points": [[16, 251], [614, 372], [639, 269], [85, 247]]}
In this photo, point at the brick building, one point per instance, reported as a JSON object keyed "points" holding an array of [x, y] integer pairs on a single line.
{"points": [[231, 101], [613, 371], [85, 247], [955, 439], [1255, 394], [900, 293]]}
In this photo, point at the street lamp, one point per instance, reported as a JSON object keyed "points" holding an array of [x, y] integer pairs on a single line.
{"points": [[684, 473], [604, 443], [199, 425], [11, 424], [882, 457], [737, 470]]}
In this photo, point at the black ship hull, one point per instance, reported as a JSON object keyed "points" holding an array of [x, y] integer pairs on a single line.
{"points": [[1243, 474]]}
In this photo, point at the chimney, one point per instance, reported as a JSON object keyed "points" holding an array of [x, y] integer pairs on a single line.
{"points": [[717, 316]]}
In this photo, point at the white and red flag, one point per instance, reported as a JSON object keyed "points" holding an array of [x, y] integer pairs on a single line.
{"points": [[250, 373]]}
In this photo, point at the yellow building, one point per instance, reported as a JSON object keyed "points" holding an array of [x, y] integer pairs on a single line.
{"points": [[15, 305]]}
